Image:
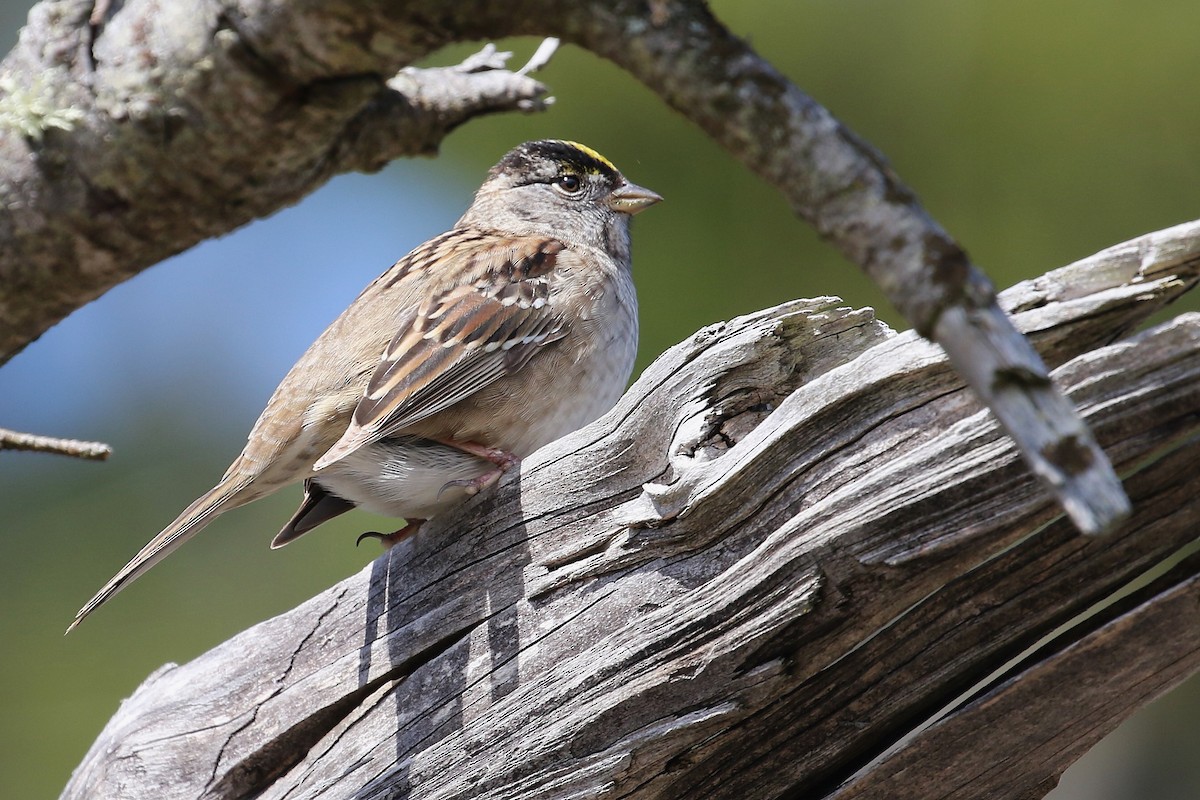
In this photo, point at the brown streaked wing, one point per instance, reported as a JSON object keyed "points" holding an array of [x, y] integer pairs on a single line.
{"points": [[458, 342]]}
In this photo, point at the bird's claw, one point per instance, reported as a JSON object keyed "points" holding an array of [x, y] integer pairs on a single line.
{"points": [[389, 540]]}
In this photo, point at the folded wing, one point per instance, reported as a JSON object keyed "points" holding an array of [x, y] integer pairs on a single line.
{"points": [[459, 341]]}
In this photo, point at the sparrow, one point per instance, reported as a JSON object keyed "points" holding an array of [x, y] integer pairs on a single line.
{"points": [[512, 329]]}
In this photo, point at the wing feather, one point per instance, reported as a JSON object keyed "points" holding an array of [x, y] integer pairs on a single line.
{"points": [[460, 341]]}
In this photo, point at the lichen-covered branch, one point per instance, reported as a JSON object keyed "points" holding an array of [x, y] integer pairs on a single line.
{"points": [[795, 540], [132, 131]]}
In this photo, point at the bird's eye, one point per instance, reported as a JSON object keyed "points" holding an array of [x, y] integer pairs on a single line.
{"points": [[568, 183]]}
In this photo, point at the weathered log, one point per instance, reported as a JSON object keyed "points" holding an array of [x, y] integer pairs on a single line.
{"points": [[792, 545]]}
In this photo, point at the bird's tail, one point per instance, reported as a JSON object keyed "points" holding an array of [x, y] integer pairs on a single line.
{"points": [[194, 518]]}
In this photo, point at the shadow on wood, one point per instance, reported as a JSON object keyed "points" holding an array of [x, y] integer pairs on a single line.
{"points": [[787, 564]]}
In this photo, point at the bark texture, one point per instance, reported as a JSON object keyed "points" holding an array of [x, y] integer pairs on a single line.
{"points": [[130, 131], [772, 571]]}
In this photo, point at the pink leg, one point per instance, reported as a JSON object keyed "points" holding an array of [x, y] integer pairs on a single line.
{"points": [[389, 540], [504, 461]]}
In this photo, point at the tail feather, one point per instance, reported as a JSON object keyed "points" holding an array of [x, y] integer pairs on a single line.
{"points": [[194, 518], [318, 506]]}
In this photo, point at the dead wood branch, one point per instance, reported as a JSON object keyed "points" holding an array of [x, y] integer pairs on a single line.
{"points": [[795, 540]]}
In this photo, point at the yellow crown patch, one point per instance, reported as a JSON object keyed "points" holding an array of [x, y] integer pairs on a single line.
{"points": [[583, 148]]}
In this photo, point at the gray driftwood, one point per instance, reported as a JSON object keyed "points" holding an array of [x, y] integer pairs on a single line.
{"points": [[767, 573]]}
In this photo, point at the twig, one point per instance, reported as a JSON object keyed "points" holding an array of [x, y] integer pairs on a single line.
{"points": [[541, 57], [92, 451]]}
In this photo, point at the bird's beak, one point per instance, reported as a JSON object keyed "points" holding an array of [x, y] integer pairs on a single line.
{"points": [[629, 198]]}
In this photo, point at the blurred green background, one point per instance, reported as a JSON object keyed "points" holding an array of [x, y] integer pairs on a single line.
{"points": [[1035, 132]]}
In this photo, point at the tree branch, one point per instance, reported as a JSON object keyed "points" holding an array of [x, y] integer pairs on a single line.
{"points": [[129, 140], [794, 541]]}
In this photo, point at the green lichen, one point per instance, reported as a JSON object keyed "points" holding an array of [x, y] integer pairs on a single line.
{"points": [[31, 110]]}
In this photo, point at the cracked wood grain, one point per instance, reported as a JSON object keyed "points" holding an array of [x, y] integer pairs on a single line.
{"points": [[794, 541], [850, 194], [1034, 712]]}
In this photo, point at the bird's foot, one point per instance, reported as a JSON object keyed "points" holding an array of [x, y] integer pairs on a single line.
{"points": [[389, 540], [477, 485], [503, 460]]}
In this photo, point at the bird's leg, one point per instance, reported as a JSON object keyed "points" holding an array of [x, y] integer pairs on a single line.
{"points": [[503, 460], [390, 540]]}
